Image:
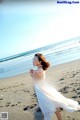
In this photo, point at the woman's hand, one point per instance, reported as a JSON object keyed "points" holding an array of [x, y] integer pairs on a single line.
{"points": [[31, 72]]}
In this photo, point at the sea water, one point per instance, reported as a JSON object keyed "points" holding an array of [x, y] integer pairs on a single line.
{"points": [[56, 54]]}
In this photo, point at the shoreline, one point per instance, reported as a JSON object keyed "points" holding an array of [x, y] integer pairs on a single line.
{"points": [[17, 92], [49, 68]]}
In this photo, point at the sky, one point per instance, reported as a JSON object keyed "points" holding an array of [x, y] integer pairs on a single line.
{"points": [[26, 26]]}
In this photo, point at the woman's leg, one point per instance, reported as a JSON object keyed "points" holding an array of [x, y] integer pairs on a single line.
{"points": [[58, 114]]}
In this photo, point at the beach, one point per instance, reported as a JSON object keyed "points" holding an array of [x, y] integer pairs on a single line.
{"points": [[18, 97]]}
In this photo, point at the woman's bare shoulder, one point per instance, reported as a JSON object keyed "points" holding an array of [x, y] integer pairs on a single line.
{"points": [[38, 73]]}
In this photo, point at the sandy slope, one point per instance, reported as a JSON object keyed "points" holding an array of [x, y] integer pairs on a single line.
{"points": [[17, 93]]}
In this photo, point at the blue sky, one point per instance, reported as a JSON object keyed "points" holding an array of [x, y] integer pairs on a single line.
{"points": [[28, 26]]}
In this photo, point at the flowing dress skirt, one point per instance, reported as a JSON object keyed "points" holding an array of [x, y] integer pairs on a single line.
{"points": [[50, 99]]}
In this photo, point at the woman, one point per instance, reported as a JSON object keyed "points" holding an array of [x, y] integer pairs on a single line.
{"points": [[50, 100]]}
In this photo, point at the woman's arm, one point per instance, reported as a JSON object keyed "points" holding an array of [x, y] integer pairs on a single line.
{"points": [[37, 74]]}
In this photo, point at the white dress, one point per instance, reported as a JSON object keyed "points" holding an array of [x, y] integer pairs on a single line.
{"points": [[49, 99]]}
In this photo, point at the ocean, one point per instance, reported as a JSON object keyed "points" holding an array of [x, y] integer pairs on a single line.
{"points": [[56, 54]]}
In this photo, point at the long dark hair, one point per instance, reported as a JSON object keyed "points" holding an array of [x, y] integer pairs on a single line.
{"points": [[43, 61]]}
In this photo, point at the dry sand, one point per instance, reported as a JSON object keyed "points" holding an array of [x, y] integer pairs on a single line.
{"points": [[18, 98]]}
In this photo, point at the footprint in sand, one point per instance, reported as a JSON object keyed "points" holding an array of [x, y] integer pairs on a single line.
{"points": [[22, 84], [1, 98], [78, 92], [24, 90], [13, 105], [79, 102], [72, 83], [76, 85], [65, 92], [34, 94], [74, 96], [33, 98], [2, 88], [68, 116], [7, 104], [1, 106], [5, 91], [15, 91], [19, 102], [61, 79], [64, 89], [73, 90], [78, 88], [30, 107]]}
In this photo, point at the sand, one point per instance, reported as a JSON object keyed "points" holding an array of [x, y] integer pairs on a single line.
{"points": [[18, 98]]}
